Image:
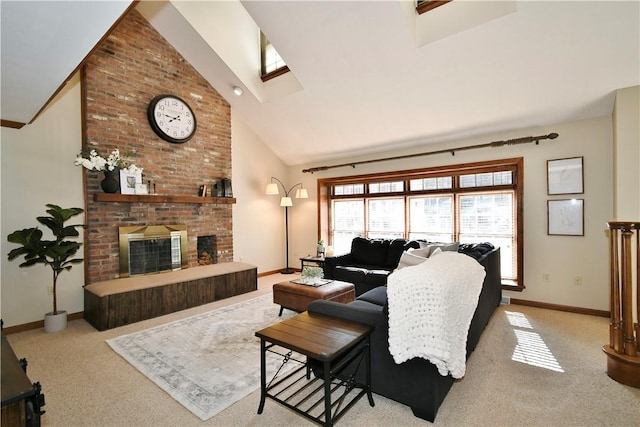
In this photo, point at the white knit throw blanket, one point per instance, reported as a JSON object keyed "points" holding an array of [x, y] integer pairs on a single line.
{"points": [[430, 309]]}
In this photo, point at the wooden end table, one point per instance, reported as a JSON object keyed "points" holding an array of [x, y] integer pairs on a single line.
{"points": [[329, 342]]}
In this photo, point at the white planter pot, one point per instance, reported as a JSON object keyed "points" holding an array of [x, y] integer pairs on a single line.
{"points": [[55, 322]]}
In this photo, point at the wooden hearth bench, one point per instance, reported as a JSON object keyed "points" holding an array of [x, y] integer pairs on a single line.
{"points": [[118, 302]]}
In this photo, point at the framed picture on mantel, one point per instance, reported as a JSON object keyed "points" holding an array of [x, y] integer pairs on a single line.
{"points": [[565, 176], [128, 181]]}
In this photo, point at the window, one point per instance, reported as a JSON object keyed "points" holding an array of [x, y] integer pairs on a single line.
{"points": [[348, 221], [470, 203], [489, 217], [386, 187], [431, 183], [423, 6], [431, 218], [272, 63], [385, 218]]}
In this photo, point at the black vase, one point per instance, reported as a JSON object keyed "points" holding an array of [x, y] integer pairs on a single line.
{"points": [[110, 184]]}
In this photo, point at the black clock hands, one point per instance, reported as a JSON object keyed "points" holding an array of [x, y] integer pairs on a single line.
{"points": [[172, 118]]}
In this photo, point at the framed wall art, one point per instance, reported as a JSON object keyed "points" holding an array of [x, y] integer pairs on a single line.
{"points": [[565, 176], [565, 217]]}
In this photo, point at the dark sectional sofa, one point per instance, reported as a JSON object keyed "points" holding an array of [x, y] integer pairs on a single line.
{"points": [[416, 382], [369, 262]]}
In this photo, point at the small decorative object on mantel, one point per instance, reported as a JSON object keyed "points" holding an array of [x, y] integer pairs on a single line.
{"points": [[111, 166], [226, 183], [142, 189], [56, 253], [110, 184], [222, 188], [129, 178]]}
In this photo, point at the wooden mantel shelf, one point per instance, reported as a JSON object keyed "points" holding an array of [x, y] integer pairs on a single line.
{"points": [[158, 198]]}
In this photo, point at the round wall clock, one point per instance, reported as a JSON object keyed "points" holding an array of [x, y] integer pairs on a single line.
{"points": [[171, 118]]}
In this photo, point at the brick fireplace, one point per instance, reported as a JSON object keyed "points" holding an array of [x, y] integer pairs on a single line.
{"points": [[131, 67]]}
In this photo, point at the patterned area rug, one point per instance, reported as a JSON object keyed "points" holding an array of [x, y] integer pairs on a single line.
{"points": [[209, 361]]}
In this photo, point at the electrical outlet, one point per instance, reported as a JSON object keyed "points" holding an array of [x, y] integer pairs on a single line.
{"points": [[546, 277], [577, 280], [50, 290]]}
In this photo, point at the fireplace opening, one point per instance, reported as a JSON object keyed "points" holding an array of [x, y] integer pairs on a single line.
{"points": [[207, 250], [152, 249]]}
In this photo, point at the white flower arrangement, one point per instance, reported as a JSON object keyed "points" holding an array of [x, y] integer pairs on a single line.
{"points": [[114, 162]]}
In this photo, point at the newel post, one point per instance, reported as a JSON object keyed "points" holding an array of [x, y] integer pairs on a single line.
{"points": [[623, 350]]}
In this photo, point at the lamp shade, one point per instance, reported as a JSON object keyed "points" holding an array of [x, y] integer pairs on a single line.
{"points": [[286, 202], [272, 189], [301, 193]]}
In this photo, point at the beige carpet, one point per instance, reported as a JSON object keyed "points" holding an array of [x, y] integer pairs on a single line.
{"points": [[558, 378]]}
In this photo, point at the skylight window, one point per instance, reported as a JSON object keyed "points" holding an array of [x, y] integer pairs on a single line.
{"points": [[272, 63], [423, 6]]}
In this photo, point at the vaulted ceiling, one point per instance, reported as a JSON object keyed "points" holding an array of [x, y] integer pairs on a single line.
{"points": [[366, 76]]}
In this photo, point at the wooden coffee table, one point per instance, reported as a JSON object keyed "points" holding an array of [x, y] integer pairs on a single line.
{"points": [[330, 343], [297, 297]]}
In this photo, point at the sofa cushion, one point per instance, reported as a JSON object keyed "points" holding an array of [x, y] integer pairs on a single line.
{"points": [[376, 277], [371, 252], [396, 248], [409, 258], [423, 252], [476, 250], [349, 274], [376, 296], [453, 247]]}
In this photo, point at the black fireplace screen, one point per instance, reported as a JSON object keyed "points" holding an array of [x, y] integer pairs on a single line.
{"points": [[154, 255]]}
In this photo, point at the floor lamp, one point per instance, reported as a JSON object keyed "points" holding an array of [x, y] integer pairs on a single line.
{"points": [[286, 202]]}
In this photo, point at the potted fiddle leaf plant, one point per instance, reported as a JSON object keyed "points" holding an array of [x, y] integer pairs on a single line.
{"points": [[57, 253]]}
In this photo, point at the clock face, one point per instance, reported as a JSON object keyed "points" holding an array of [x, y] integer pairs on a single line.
{"points": [[171, 118]]}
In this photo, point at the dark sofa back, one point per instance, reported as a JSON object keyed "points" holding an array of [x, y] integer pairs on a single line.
{"points": [[379, 252], [369, 252]]}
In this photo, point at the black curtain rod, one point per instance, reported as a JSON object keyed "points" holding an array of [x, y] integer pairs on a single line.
{"points": [[495, 144]]}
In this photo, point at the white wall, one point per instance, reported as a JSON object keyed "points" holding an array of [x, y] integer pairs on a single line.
{"points": [[562, 257], [627, 154], [37, 168], [258, 219]]}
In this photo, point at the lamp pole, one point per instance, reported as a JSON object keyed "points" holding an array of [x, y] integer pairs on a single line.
{"points": [[286, 202], [287, 270]]}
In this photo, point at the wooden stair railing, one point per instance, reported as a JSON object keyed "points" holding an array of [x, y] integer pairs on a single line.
{"points": [[623, 350]]}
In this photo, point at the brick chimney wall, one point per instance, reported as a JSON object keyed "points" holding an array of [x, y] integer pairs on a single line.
{"points": [[132, 66]]}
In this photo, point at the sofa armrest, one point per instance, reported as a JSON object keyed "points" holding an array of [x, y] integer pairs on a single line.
{"points": [[361, 312], [330, 264]]}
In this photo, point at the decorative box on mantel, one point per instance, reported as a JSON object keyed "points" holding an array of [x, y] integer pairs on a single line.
{"points": [[156, 198]]}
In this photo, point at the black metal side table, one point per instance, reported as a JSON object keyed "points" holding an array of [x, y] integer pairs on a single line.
{"points": [[327, 342], [312, 262]]}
